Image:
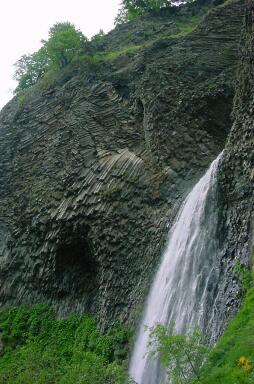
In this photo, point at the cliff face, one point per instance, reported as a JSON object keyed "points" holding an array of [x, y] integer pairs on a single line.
{"points": [[237, 176], [94, 166]]}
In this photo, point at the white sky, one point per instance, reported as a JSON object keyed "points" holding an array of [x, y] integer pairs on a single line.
{"points": [[23, 23]]}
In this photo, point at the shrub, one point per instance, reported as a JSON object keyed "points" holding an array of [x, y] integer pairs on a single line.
{"points": [[131, 9], [38, 348], [63, 44], [181, 355], [231, 360]]}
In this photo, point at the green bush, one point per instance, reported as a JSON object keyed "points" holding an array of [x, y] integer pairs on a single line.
{"points": [[63, 44], [245, 276], [232, 359], [131, 9], [181, 355], [38, 348]]}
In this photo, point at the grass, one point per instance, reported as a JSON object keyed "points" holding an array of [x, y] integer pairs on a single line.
{"points": [[38, 348], [186, 26], [113, 55], [107, 56], [35, 347], [53, 75], [228, 2], [232, 359], [183, 26]]}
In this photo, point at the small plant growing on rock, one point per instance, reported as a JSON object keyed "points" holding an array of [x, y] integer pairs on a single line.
{"points": [[245, 364], [245, 276], [181, 355]]}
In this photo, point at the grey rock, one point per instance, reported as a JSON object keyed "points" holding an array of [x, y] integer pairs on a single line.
{"points": [[94, 166]]}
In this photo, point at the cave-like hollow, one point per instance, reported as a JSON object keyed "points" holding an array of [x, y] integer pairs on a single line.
{"points": [[75, 266]]}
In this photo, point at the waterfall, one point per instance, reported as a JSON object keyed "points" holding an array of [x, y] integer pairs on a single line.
{"points": [[185, 286]]}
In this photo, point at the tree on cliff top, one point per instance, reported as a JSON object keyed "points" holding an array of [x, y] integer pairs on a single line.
{"points": [[64, 42], [131, 9], [30, 68]]}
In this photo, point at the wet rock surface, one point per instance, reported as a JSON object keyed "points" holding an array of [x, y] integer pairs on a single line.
{"points": [[93, 168], [236, 181]]}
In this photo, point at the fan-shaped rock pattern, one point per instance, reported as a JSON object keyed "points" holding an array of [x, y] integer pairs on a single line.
{"points": [[93, 168]]}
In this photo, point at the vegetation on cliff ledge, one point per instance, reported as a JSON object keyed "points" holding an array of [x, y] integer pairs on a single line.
{"points": [[66, 46], [231, 361], [38, 348], [35, 347], [131, 9], [62, 45]]}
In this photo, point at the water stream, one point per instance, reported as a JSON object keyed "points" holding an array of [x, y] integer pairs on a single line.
{"points": [[185, 286]]}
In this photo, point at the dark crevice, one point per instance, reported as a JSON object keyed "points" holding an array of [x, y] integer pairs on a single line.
{"points": [[75, 265], [74, 256]]}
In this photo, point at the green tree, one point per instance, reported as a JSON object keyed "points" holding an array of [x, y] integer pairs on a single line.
{"points": [[181, 355], [122, 16], [134, 8], [98, 36], [30, 68], [131, 9], [36, 347], [63, 44]]}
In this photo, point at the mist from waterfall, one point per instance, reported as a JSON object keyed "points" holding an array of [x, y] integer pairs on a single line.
{"points": [[185, 286]]}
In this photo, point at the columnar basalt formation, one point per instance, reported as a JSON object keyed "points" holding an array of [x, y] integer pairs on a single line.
{"points": [[93, 167], [237, 178]]}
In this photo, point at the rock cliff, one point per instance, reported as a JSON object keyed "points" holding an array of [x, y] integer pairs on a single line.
{"points": [[94, 165], [236, 178]]}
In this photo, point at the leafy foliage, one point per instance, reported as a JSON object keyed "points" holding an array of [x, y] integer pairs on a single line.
{"points": [[30, 68], [134, 8], [131, 9], [245, 276], [188, 360], [67, 48], [64, 42], [98, 37], [37, 348], [181, 355], [232, 359]]}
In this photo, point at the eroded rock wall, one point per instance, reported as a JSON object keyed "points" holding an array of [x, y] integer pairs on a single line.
{"points": [[94, 167], [236, 180]]}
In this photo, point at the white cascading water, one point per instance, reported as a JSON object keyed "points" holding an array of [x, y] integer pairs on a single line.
{"points": [[184, 288]]}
